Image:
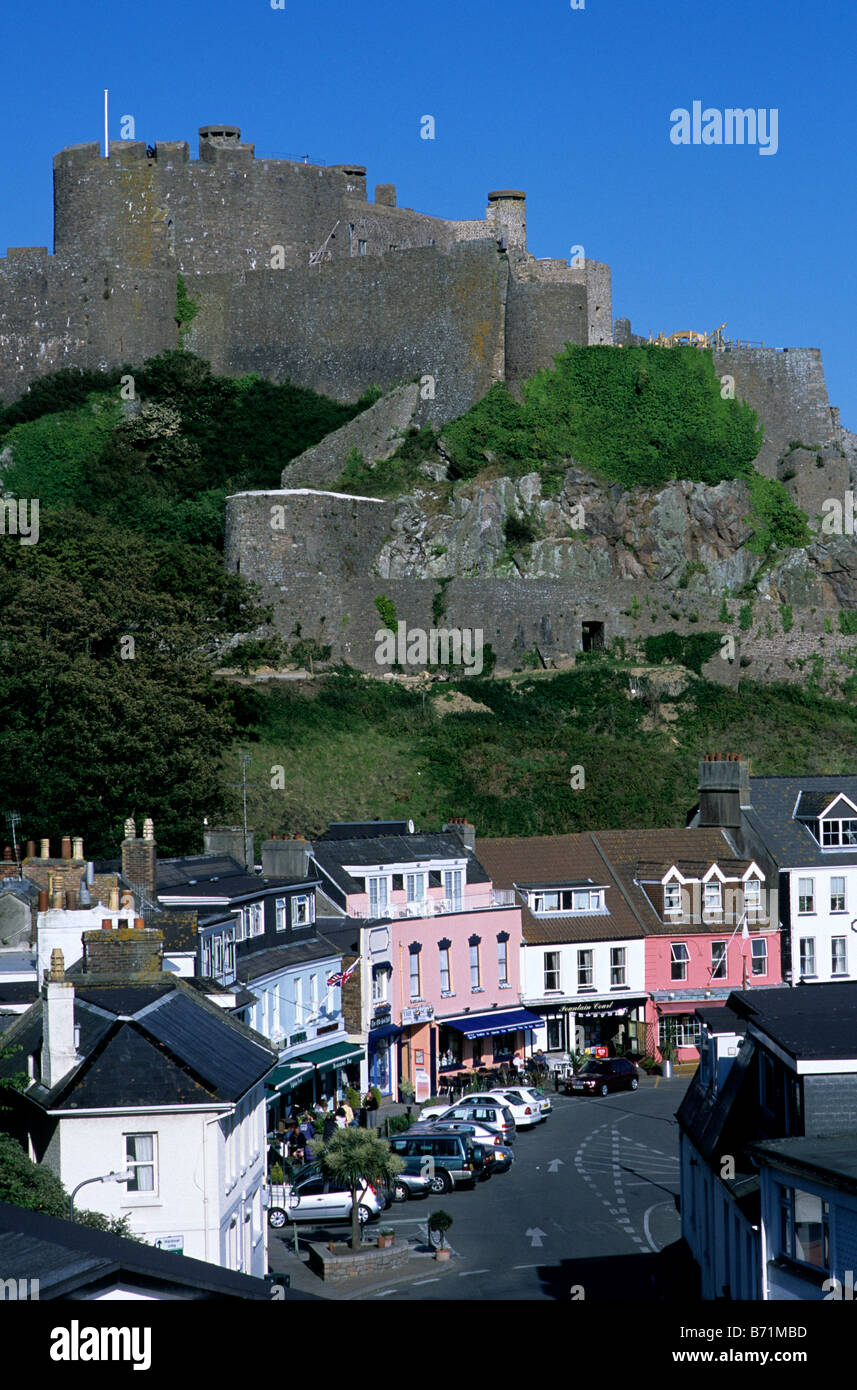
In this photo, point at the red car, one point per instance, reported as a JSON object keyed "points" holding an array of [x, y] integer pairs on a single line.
{"points": [[596, 1077]]}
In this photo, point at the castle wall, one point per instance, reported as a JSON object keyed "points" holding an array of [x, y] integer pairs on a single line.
{"points": [[787, 390], [342, 327], [541, 317]]}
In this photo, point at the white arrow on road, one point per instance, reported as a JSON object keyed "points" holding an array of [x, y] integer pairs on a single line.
{"points": [[553, 1166], [536, 1235]]}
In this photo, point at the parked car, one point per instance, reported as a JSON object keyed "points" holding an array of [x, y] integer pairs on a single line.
{"points": [[447, 1160], [598, 1076], [312, 1197], [534, 1094], [525, 1110], [406, 1185], [483, 1110], [498, 1156]]}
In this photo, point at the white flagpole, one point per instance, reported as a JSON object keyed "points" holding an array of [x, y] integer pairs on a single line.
{"points": [[106, 136]]}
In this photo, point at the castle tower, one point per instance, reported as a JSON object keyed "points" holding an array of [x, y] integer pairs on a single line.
{"points": [[507, 210]]}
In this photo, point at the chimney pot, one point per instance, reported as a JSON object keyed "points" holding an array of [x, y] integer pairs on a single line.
{"points": [[66, 847], [122, 922], [57, 971], [46, 849], [71, 899], [140, 923], [130, 829], [77, 847], [113, 895], [31, 849], [7, 853], [148, 829], [106, 924], [44, 899]]}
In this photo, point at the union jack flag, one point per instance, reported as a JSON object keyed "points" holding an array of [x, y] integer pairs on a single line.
{"points": [[342, 975]]}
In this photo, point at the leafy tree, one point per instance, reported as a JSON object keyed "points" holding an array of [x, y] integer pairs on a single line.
{"points": [[355, 1156], [35, 1187]]}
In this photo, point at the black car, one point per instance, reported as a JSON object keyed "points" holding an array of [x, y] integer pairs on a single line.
{"points": [[598, 1076]]}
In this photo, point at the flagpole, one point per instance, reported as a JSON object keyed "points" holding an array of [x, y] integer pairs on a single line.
{"points": [[106, 135]]}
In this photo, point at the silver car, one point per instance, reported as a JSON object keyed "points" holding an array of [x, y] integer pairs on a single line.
{"points": [[319, 1200]]}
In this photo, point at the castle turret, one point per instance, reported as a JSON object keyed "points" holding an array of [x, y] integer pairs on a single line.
{"points": [[507, 209]]}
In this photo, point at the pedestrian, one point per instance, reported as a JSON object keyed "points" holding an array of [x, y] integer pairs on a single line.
{"points": [[340, 1117], [308, 1127], [328, 1128], [296, 1142], [349, 1113], [370, 1103]]}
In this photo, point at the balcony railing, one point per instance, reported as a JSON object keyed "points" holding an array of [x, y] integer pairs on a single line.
{"points": [[437, 907]]}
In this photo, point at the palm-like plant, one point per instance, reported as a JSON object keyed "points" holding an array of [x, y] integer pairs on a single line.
{"points": [[355, 1156]]}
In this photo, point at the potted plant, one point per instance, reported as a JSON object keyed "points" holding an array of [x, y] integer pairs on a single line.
{"points": [[406, 1090], [440, 1221], [667, 1055], [386, 1236]]}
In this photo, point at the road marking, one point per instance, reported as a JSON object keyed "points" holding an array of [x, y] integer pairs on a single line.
{"points": [[465, 1274], [384, 1293], [436, 1280], [526, 1266]]}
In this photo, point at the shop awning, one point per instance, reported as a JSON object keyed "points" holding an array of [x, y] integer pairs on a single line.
{"points": [[387, 1030], [336, 1055], [287, 1075], [689, 1006], [486, 1025], [603, 1007]]}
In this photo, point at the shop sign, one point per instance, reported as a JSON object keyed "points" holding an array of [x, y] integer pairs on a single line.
{"points": [[420, 1013]]}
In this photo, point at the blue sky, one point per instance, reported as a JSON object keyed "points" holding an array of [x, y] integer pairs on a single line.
{"points": [[571, 105]]}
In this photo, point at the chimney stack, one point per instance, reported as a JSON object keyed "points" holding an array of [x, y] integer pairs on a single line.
{"points": [[285, 858], [460, 826], [230, 839], [59, 1054], [140, 859], [123, 953], [724, 787]]}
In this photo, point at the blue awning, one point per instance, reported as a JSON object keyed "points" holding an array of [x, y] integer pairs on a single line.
{"points": [[387, 1030], [486, 1025]]}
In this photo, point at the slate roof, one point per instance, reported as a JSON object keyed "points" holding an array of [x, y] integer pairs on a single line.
{"points": [[722, 1020], [809, 1022], [162, 1044], [554, 861], [343, 933], [771, 817], [833, 1159], [73, 1261], [719, 1121], [253, 967], [179, 926], [364, 830], [331, 855]]}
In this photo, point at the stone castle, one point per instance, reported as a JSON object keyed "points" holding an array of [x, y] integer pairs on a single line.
{"points": [[297, 275]]}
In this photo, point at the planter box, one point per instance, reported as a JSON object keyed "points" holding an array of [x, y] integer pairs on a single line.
{"points": [[342, 1264]]}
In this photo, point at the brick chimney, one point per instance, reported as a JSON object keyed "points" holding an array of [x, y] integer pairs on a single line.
{"points": [[285, 858], [460, 826], [59, 1053], [724, 787], [123, 953], [140, 859]]}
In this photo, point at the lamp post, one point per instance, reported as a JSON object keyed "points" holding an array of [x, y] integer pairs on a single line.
{"points": [[105, 1177]]}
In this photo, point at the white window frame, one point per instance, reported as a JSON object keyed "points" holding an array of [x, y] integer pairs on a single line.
{"points": [[415, 887], [475, 967], [414, 974], [308, 902], [503, 963], [843, 941], [133, 1163], [552, 972], [721, 961], [712, 900], [679, 955], [257, 919], [753, 895], [838, 900], [445, 969], [757, 955], [803, 897], [809, 955], [282, 916], [585, 971], [618, 967], [229, 951], [378, 888], [672, 890]]}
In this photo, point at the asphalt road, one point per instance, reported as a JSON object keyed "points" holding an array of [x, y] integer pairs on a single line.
{"points": [[585, 1211]]}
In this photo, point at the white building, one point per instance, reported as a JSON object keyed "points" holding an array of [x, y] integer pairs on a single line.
{"points": [[134, 1072]]}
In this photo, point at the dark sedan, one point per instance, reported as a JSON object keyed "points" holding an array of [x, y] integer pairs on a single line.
{"points": [[597, 1077]]}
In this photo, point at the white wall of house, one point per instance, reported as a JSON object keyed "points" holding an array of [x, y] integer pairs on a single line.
{"points": [[722, 1241], [534, 981], [288, 1004], [834, 907], [208, 1169]]}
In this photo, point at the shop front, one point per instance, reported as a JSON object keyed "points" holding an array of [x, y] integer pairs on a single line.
{"points": [[597, 1024], [383, 1034], [334, 1067], [288, 1090], [484, 1040], [418, 1050]]}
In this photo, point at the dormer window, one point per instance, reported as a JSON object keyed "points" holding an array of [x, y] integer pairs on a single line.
{"points": [[714, 896], [838, 832], [753, 895], [569, 900], [672, 897]]}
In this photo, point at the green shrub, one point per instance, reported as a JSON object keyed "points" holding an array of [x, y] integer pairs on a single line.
{"points": [[778, 524], [387, 609], [745, 617], [692, 651], [787, 617], [519, 531], [848, 621]]}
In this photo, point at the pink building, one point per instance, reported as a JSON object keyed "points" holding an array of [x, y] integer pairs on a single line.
{"points": [[443, 950], [711, 923]]}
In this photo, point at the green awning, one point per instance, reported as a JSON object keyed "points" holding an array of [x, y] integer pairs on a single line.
{"points": [[336, 1055], [287, 1075]]}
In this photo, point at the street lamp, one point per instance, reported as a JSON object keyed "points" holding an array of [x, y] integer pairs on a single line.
{"points": [[105, 1177]]}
